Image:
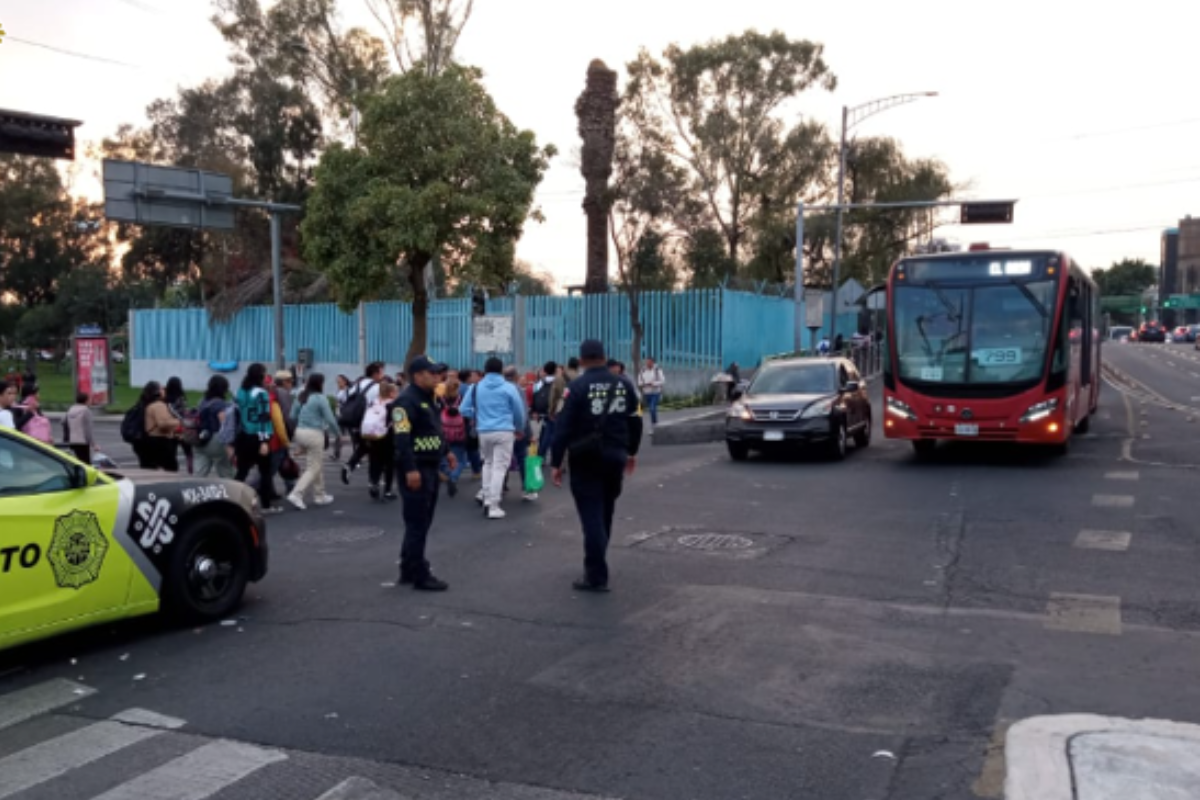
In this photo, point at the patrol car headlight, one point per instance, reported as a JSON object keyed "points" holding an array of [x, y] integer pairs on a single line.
{"points": [[740, 411], [1040, 411], [821, 408]]}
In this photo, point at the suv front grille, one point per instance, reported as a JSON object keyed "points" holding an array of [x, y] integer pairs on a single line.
{"points": [[776, 415]]}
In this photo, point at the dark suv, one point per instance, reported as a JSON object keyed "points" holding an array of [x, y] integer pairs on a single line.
{"points": [[1152, 332], [800, 401]]}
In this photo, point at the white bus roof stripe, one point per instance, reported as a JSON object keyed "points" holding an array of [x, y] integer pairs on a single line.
{"points": [[55, 757], [199, 774], [17, 707]]}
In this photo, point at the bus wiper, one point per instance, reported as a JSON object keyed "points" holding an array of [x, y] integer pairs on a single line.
{"points": [[1031, 297]]}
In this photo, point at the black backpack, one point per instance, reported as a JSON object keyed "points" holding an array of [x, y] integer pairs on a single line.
{"points": [[541, 398], [133, 425], [355, 407]]}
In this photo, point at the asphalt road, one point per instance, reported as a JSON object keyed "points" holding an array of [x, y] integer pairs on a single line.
{"points": [[856, 630]]}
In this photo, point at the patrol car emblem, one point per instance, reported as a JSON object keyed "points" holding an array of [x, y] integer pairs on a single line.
{"points": [[155, 523], [77, 549]]}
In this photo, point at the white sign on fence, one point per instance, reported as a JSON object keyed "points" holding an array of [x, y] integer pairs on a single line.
{"points": [[814, 309], [493, 334]]}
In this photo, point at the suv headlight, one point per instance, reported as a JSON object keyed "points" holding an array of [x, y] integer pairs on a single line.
{"points": [[1040, 411], [740, 411], [901, 409], [821, 408]]}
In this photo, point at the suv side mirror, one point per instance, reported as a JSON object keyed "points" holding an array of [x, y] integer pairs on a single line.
{"points": [[852, 386]]}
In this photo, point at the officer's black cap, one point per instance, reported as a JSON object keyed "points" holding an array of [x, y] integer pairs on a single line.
{"points": [[591, 350], [423, 364]]}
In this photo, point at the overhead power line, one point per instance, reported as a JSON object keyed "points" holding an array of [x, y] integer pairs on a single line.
{"points": [[73, 53]]}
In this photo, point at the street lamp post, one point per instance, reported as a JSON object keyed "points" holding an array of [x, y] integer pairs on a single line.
{"points": [[850, 118]]}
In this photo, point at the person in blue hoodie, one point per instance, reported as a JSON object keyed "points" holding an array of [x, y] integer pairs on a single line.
{"points": [[499, 413]]}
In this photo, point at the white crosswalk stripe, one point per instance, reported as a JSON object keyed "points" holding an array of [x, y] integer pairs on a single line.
{"points": [[199, 774], [40, 699], [51, 759]]}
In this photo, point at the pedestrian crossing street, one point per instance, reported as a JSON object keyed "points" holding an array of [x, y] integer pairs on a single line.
{"points": [[50, 749]]}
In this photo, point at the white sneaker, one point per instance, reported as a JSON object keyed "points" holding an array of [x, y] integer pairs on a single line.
{"points": [[323, 500], [530, 496], [479, 497], [297, 501], [496, 512]]}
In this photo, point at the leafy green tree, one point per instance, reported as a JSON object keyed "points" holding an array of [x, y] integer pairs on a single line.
{"points": [[42, 326], [720, 112], [707, 260], [1125, 277], [440, 170]]}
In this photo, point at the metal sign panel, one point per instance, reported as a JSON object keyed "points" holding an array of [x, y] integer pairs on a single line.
{"points": [[986, 213], [493, 334], [814, 309], [174, 196]]}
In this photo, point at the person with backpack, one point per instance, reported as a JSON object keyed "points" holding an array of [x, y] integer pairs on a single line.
{"points": [[78, 429], [359, 398], [29, 417], [343, 386], [282, 463], [177, 402], [159, 443], [454, 434], [314, 419], [377, 435], [542, 407], [255, 429], [212, 454]]}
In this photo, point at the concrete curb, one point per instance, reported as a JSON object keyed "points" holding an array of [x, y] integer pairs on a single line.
{"points": [[705, 427], [1039, 758]]}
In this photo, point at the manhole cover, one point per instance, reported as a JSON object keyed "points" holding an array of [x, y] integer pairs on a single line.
{"points": [[340, 535], [716, 541]]}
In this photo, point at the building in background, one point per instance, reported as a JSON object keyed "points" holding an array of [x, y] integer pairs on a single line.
{"points": [[1168, 276], [1188, 269]]}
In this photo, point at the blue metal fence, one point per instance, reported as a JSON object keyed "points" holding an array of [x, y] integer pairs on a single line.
{"points": [[698, 329]]}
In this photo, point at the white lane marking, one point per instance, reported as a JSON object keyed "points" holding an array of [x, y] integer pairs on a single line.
{"points": [[1084, 613], [37, 700], [1122, 476], [1112, 500], [56, 757], [149, 719], [359, 789], [1116, 541], [197, 775]]}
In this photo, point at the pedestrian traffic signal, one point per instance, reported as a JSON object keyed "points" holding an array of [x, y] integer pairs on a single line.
{"points": [[479, 302], [1143, 309]]}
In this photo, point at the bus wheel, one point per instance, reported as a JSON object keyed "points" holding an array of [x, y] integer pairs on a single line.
{"points": [[924, 447]]}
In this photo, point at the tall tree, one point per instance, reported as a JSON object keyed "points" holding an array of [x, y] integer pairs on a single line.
{"points": [[1125, 277], [722, 111], [422, 33], [440, 170], [596, 110]]}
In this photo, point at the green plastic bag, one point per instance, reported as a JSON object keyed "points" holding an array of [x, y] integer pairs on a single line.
{"points": [[535, 481]]}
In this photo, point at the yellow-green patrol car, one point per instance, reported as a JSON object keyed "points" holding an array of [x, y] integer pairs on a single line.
{"points": [[80, 547]]}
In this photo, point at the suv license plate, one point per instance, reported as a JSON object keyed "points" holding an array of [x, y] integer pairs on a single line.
{"points": [[772, 436], [966, 430]]}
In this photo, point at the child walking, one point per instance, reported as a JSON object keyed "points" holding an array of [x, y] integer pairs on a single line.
{"points": [[377, 435]]}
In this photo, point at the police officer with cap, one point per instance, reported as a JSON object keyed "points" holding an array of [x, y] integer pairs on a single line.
{"points": [[417, 425], [601, 429]]}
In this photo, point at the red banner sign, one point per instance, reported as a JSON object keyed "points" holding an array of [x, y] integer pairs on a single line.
{"points": [[93, 370]]}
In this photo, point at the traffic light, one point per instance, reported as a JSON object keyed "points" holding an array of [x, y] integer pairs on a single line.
{"points": [[1143, 309], [478, 302]]}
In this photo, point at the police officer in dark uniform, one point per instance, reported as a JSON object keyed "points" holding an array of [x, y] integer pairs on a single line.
{"points": [[601, 429], [417, 425]]}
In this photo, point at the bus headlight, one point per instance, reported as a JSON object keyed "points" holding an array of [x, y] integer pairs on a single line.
{"points": [[1040, 411], [901, 409]]}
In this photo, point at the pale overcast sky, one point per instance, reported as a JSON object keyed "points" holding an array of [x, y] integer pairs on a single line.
{"points": [[1081, 111]]}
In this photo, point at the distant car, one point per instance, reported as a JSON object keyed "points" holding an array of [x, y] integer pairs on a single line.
{"points": [[1120, 333], [1152, 332], [45, 355], [1180, 334], [118, 357], [1192, 330], [800, 401], [83, 547]]}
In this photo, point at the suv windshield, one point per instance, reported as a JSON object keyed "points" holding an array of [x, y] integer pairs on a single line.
{"points": [[985, 334], [795, 379]]}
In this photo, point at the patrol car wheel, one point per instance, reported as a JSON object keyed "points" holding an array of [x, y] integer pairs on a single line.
{"points": [[208, 573]]}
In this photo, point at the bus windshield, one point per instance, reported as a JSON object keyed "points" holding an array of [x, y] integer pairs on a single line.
{"points": [[992, 333]]}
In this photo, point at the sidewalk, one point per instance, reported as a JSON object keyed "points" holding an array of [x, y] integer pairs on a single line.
{"points": [[1090, 757]]}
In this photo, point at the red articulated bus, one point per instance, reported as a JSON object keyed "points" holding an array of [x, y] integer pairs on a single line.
{"points": [[997, 346]]}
